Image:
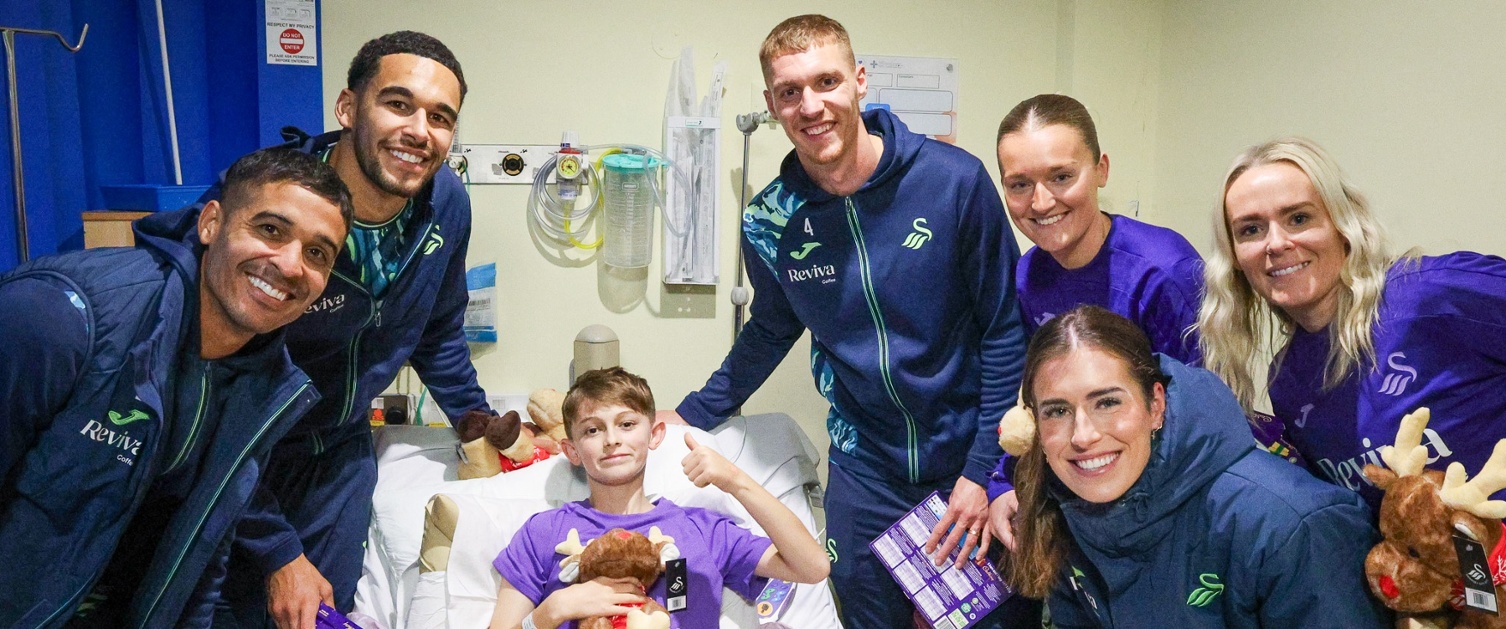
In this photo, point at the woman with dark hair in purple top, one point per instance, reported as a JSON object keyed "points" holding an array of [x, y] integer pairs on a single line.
{"points": [[1052, 168], [1360, 336]]}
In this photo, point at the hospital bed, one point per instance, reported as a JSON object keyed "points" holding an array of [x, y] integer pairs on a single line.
{"points": [[433, 538]]}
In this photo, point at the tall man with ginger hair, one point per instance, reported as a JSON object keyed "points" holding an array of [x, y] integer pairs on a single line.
{"points": [[894, 251]]}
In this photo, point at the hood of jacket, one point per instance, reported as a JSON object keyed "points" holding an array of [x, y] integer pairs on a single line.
{"points": [[173, 236], [1203, 434], [900, 150]]}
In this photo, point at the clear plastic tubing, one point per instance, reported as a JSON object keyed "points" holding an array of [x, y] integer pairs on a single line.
{"points": [[629, 199]]}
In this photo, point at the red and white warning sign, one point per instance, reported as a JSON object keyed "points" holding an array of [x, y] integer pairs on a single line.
{"points": [[292, 32], [292, 41]]}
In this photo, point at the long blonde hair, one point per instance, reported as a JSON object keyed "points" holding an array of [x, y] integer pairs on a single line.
{"points": [[1237, 326]]}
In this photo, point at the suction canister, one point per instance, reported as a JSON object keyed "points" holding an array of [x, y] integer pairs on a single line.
{"points": [[629, 197]]}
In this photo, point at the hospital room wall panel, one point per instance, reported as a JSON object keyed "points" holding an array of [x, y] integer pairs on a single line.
{"points": [[1108, 57]]}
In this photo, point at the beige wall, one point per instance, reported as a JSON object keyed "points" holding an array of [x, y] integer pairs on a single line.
{"points": [[1407, 96], [611, 88], [1108, 58]]}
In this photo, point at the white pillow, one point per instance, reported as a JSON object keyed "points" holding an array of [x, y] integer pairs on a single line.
{"points": [[484, 528]]}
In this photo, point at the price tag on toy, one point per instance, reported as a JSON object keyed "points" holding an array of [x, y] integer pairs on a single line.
{"points": [[676, 585], [1479, 591]]}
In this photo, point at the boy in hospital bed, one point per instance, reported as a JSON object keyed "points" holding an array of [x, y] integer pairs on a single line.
{"points": [[609, 417]]}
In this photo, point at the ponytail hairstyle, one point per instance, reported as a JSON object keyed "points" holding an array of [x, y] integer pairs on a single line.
{"points": [[1045, 110]]}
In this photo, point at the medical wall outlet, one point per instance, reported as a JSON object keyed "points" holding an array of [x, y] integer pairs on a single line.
{"points": [[393, 409], [503, 163]]}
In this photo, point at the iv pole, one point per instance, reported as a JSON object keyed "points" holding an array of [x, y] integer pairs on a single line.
{"points": [[23, 244], [746, 123]]}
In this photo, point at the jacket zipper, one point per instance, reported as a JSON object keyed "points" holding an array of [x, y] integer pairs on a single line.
{"points": [[198, 418], [372, 318], [182, 552], [883, 340], [351, 356]]}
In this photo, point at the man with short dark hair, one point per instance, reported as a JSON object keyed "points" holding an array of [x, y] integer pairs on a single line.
{"points": [[397, 295], [894, 251], [144, 389]]}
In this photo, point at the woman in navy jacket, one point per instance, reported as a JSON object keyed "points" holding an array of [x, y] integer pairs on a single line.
{"points": [[1144, 501]]}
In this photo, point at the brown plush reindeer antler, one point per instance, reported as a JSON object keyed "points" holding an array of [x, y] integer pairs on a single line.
{"points": [[1409, 455], [1474, 495]]}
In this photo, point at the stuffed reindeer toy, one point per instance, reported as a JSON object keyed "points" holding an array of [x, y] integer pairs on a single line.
{"points": [[619, 554], [1415, 569], [493, 444]]}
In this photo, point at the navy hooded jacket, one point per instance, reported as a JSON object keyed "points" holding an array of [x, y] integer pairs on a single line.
{"points": [[907, 287], [1216, 533], [92, 341], [352, 345]]}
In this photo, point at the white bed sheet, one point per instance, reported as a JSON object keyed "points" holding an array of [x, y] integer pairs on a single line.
{"points": [[415, 463]]}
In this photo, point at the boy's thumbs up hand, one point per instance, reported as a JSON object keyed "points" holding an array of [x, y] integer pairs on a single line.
{"points": [[705, 466]]}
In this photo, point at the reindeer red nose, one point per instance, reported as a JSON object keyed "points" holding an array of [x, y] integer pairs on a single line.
{"points": [[624, 535], [1388, 587]]}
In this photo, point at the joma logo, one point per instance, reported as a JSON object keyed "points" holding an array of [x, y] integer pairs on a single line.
{"points": [[805, 250]]}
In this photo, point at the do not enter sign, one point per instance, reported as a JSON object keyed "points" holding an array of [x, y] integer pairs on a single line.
{"points": [[291, 41], [292, 33]]}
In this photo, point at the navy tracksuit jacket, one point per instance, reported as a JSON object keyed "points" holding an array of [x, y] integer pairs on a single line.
{"points": [[87, 422]]}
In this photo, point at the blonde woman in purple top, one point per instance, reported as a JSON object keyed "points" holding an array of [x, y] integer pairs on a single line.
{"points": [[1360, 336]]}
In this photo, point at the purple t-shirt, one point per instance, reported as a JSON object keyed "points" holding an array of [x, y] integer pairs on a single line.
{"points": [[718, 553], [1440, 341], [1147, 274]]}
